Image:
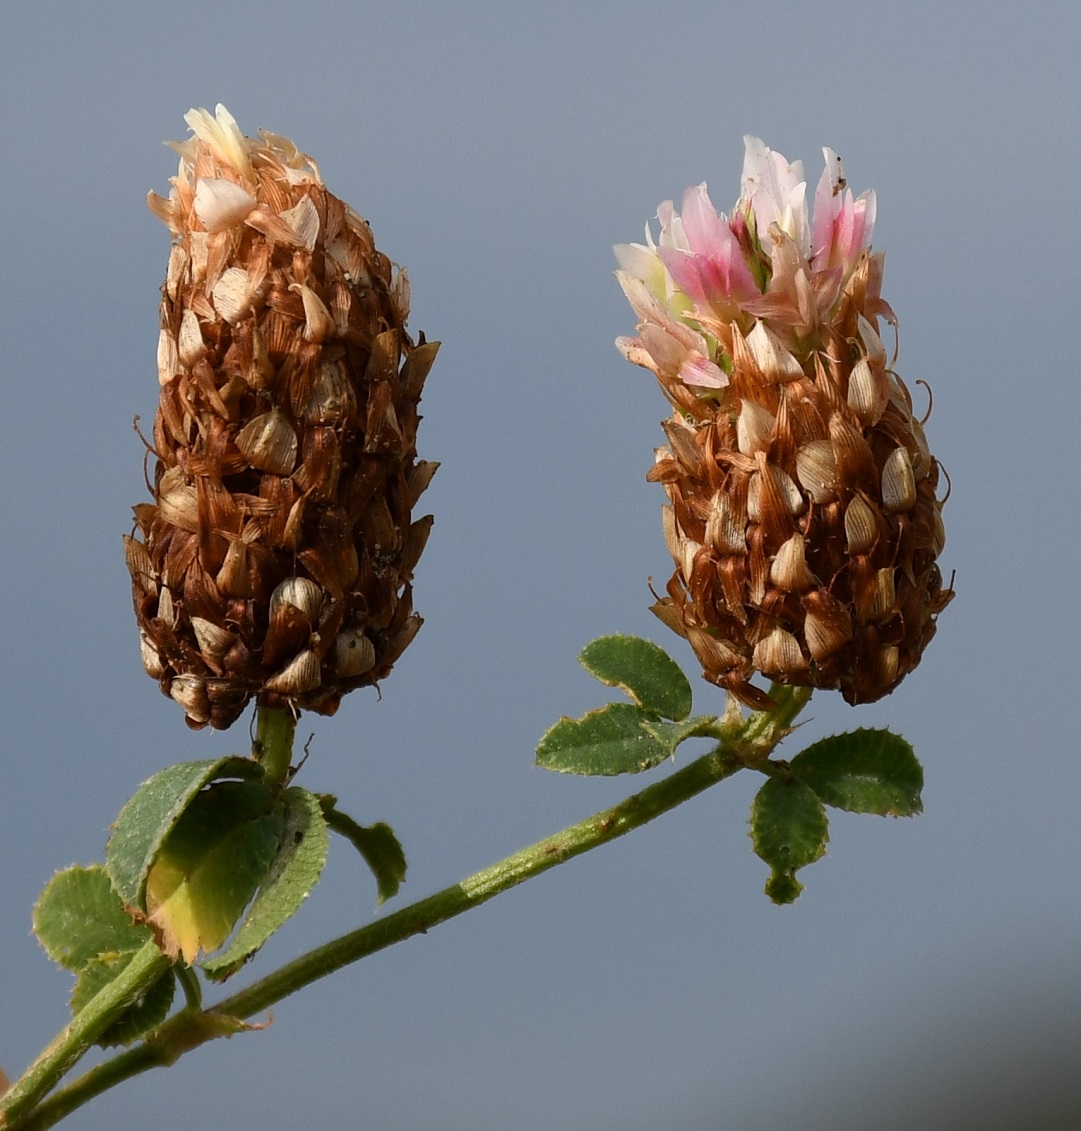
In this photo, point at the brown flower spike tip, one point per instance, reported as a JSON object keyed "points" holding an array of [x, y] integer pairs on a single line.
{"points": [[804, 519], [276, 558]]}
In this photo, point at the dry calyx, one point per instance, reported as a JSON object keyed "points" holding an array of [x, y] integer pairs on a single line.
{"points": [[277, 555]]}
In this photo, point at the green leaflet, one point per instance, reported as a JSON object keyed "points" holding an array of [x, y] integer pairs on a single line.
{"points": [[789, 830], [211, 863], [643, 670], [377, 844], [610, 740], [151, 812], [293, 872], [863, 771]]}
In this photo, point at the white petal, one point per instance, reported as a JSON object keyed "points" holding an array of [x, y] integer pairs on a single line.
{"points": [[222, 135], [220, 203]]}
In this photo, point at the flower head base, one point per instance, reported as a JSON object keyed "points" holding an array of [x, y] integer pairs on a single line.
{"points": [[276, 557], [804, 520]]}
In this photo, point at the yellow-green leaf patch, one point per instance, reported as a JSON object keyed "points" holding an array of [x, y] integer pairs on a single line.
{"points": [[211, 864]]}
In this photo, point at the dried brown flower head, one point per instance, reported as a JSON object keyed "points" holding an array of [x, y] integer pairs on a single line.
{"points": [[804, 519], [276, 557]]}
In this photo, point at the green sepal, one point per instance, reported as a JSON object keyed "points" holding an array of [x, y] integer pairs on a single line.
{"points": [[152, 811], [610, 740], [211, 864], [789, 830], [863, 771], [646, 672], [294, 871], [377, 844]]}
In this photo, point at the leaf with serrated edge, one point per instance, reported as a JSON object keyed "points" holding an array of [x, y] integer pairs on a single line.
{"points": [[295, 870], [789, 830], [80, 916], [607, 741], [211, 865], [149, 814], [863, 771], [641, 669], [377, 844]]}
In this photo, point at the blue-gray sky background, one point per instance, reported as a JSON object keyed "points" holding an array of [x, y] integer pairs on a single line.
{"points": [[499, 151]]}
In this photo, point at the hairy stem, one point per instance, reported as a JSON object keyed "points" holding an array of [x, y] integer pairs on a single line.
{"points": [[145, 968], [746, 745]]}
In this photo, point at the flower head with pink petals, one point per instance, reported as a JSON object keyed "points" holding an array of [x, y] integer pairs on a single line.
{"points": [[767, 262], [803, 518]]}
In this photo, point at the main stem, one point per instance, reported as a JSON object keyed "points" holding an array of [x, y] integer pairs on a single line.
{"points": [[85, 1028], [749, 744]]}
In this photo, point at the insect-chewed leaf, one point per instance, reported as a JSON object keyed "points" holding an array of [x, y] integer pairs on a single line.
{"points": [[607, 741], [789, 830], [643, 670], [211, 864], [294, 871], [863, 771], [150, 814]]}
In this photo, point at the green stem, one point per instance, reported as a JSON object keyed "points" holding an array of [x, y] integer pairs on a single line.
{"points": [[189, 983], [745, 745], [272, 746], [145, 968]]}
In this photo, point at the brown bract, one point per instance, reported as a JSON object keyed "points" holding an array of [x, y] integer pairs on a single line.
{"points": [[276, 557], [803, 512]]}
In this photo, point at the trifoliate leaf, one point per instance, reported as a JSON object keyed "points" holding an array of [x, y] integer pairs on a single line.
{"points": [[863, 771], [643, 670]]}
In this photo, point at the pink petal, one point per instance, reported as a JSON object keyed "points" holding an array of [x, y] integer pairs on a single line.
{"points": [[825, 209], [702, 373], [706, 232], [683, 267]]}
